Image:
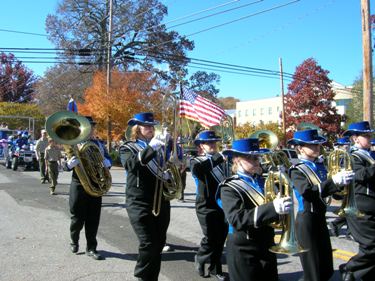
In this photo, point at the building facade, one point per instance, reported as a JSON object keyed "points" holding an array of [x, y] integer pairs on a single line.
{"points": [[268, 110]]}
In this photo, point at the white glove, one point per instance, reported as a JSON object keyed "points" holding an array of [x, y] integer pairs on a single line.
{"points": [[72, 162], [155, 143], [343, 177], [282, 204]]}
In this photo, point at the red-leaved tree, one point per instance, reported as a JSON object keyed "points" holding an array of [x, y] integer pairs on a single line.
{"points": [[310, 99], [16, 81]]}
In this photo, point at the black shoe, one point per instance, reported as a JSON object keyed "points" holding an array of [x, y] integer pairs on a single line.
{"points": [[94, 254], [220, 277], [199, 267], [345, 274], [334, 230], [74, 248]]}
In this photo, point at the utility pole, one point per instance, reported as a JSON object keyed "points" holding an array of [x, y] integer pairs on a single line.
{"points": [[282, 99], [109, 66], [367, 62]]}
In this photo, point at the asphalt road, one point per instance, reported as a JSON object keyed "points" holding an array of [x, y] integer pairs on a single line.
{"points": [[34, 235]]}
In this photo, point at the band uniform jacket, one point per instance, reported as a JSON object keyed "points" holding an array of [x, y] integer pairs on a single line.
{"points": [[363, 227], [311, 226], [250, 234], [140, 188]]}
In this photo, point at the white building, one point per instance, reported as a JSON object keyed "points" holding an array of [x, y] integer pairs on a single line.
{"points": [[268, 110]]}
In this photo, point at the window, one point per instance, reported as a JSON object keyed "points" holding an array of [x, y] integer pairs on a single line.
{"points": [[239, 113], [254, 112], [246, 112], [270, 111], [262, 111]]}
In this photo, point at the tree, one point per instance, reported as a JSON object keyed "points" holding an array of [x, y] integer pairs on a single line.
{"points": [[21, 110], [16, 81], [203, 84], [130, 93], [310, 99], [228, 102], [53, 91], [355, 108], [139, 38], [247, 129]]}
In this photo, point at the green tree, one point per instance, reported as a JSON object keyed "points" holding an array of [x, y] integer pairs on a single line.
{"points": [[16, 81], [355, 108], [17, 110], [203, 83]]}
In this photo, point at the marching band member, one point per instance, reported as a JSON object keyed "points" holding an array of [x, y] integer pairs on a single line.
{"points": [[141, 162], [311, 184], [85, 209], [242, 199], [362, 265], [207, 171]]}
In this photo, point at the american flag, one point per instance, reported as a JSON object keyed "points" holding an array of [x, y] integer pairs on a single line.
{"points": [[200, 109]]}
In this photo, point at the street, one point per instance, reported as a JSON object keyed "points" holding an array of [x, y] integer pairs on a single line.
{"points": [[34, 235]]}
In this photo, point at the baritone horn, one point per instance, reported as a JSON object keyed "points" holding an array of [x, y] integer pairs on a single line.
{"points": [[340, 160], [70, 129], [278, 181], [171, 188]]}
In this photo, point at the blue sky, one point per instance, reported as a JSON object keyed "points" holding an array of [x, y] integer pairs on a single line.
{"points": [[327, 30]]}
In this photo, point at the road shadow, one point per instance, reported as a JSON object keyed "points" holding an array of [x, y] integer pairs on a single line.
{"points": [[121, 256]]}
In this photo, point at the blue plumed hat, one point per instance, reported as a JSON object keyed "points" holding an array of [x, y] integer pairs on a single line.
{"points": [[358, 128], [143, 118], [342, 141], [206, 136], [249, 146], [306, 137]]}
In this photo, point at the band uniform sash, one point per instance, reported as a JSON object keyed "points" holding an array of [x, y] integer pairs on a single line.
{"points": [[217, 172], [361, 154], [153, 166], [256, 197]]}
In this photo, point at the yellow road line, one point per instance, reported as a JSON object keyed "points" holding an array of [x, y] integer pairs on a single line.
{"points": [[337, 253], [342, 255]]}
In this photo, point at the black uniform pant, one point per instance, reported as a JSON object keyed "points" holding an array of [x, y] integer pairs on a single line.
{"points": [[250, 260], [85, 211], [363, 231], [215, 231], [312, 234], [152, 234]]}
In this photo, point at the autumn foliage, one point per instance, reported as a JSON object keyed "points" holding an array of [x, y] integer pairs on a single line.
{"points": [[309, 99], [129, 93]]}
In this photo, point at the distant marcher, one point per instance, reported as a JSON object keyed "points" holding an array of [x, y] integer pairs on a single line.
{"points": [[52, 157], [40, 149]]}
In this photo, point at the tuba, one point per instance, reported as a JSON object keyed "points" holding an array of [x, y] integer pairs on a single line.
{"points": [[340, 160], [172, 188], [70, 129]]}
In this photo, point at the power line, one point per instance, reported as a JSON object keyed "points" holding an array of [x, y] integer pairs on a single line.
{"points": [[215, 14]]}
